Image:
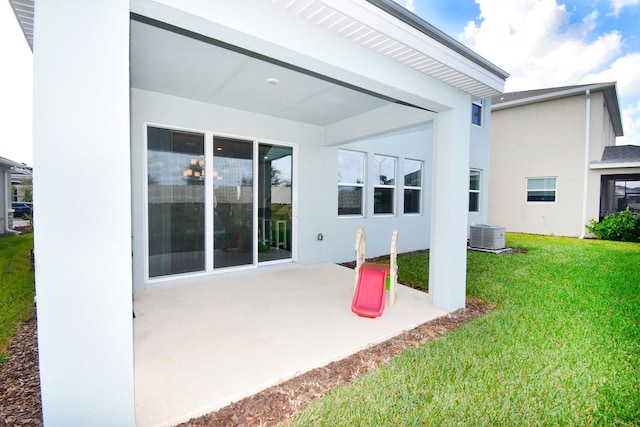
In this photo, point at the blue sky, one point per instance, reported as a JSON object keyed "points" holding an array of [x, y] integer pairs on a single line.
{"points": [[541, 43], [549, 43]]}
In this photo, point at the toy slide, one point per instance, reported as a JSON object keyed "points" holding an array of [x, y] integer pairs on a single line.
{"points": [[368, 300]]}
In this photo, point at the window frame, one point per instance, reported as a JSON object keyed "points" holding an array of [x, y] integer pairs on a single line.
{"points": [[386, 186], [555, 189], [361, 185], [412, 187], [473, 191]]}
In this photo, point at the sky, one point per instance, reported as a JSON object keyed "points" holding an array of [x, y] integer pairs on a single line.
{"points": [[540, 43], [551, 43]]}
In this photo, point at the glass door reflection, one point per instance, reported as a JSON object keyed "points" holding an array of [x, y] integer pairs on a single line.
{"points": [[274, 202], [233, 240]]}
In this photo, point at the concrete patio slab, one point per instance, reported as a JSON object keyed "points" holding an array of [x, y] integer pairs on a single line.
{"points": [[201, 346]]}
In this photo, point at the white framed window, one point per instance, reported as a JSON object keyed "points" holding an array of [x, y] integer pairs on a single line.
{"points": [[476, 112], [384, 190], [474, 190], [351, 173], [541, 189], [412, 186]]}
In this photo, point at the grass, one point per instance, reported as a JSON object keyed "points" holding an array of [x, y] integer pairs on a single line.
{"points": [[16, 286], [562, 348]]}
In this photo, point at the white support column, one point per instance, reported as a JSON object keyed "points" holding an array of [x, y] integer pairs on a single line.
{"points": [[83, 226], [449, 207]]}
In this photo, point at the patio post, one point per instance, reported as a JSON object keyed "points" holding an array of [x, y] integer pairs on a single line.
{"points": [[82, 190], [449, 206]]}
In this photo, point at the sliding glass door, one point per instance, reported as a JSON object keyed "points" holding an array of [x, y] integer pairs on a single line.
{"points": [[236, 212]]}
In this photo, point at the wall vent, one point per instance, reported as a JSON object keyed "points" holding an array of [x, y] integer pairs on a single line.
{"points": [[487, 236]]}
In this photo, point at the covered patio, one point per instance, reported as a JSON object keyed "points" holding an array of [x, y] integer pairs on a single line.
{"points": [[203, 345]]}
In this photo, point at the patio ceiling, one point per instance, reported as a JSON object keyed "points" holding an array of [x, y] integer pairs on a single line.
{"points": [[171, 62]]}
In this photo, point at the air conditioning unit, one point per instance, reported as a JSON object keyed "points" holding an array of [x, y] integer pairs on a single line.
{"points": [[487, 236]]}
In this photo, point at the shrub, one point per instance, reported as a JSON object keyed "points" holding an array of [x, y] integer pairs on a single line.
{"points": [[622, 226]]}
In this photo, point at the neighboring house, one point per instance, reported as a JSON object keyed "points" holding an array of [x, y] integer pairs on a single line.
{"points": [[214, 136], [554, 163], [6, 212], [22, 184]]}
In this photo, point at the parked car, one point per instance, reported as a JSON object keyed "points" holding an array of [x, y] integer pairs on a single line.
{"points": [[22, 209]]}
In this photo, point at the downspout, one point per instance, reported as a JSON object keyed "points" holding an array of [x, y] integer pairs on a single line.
{"points": [[587, 143]]}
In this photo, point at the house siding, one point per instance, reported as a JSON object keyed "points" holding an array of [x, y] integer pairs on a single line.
{"points": [[545, 139], [548, 139]]}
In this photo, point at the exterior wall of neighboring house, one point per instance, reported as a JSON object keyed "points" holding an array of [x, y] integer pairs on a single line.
{"points": [[6, 215], [548, 139], [86, 272], [6, 211], [603, 135]]}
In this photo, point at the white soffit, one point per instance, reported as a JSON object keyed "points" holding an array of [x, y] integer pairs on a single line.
{"points": [[407, 45], [23, 10]]}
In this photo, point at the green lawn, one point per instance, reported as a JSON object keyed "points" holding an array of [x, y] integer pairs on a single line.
{"points": [[562, 348], [16, 286]]}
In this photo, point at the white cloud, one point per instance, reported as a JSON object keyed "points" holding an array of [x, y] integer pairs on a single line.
{"points": [[630, 125], [617, 5], [537, 44], [624, 71], [407, 4]]}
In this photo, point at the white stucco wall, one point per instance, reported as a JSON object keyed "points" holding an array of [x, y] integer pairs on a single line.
{"points": [[479, 149], [83, 225], [546, 139]]}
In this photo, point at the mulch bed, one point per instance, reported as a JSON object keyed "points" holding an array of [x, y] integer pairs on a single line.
{"points": [[20, 380], [20, 403]]}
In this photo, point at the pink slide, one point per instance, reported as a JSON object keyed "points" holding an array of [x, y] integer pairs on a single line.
{"points": [[368, 300]]}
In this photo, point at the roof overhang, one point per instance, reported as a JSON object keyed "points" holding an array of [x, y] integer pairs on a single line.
{"points": [[386, 28], [617, 165], [8, 164], [23, 9], [392, 31]]}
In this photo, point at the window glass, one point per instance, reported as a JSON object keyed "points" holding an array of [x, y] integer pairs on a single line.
{"points": [[412, 186], [541, 189], [412, 173], [176, 194], [349, 200], [232, 202], [350, 167], [474, 191], [275, 202], [384, 190], [476, 113]]}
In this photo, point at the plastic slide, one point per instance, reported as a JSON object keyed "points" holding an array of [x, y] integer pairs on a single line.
{"points": [[368, 300]]}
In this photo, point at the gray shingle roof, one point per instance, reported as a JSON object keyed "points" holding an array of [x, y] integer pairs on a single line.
{"points": [[621, 154]]}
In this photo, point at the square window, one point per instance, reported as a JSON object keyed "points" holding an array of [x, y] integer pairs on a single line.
{"points": [[541, 189]]}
